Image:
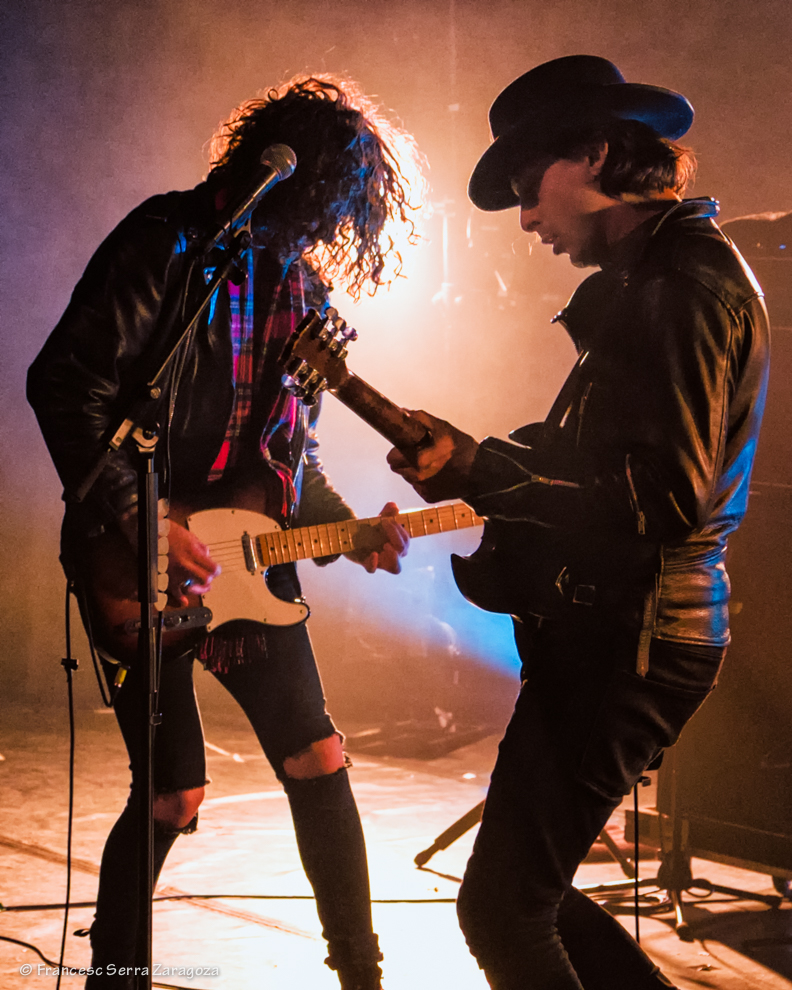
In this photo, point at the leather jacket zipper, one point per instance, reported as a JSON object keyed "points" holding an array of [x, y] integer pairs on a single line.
{"points": [[634, 499]]}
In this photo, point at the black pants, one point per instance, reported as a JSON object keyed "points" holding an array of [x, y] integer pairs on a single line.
{"points": [[584, 728], [280, 691]]}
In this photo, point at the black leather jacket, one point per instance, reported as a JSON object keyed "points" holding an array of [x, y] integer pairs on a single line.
{"points": [[138, 287], [632, 485]]}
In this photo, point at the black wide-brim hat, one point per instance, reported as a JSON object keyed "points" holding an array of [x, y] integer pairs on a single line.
{"points": [[570, 91]]}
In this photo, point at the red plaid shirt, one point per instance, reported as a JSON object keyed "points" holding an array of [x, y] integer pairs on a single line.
{"points": [[264, 414]]}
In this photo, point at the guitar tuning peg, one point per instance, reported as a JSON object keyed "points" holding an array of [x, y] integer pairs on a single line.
{"points": [[314, 322], [294, 367], [349, 333], [331, 314], [292, 386], [338, 348]]}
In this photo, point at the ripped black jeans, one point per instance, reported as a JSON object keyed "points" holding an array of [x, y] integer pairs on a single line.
{"points": [[584, 728], [280, 692]]}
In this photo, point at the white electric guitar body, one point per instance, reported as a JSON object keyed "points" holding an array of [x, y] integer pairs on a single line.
{"points": [[245, 544]]}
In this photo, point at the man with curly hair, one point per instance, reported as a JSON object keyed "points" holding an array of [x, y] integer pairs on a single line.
{"points": [[233, 436], [609, 521]]}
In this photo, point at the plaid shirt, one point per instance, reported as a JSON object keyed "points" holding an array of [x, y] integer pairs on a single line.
{"points": [[264, 414]]}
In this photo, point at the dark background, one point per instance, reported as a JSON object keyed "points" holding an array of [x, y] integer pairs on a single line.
{"points": [[105, 103]]}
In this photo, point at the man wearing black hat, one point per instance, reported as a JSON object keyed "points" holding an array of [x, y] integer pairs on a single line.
{"points": [[610, 519]]}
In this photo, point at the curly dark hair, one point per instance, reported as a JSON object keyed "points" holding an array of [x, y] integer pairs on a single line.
{"points": [[349, 185]]}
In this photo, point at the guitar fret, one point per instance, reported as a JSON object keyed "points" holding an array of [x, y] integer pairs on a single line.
{"points": [[344, 536], [465, 516], [291, 547], [315, 548], [332, 538], [430, 521], [324, 538], [352, 527]]}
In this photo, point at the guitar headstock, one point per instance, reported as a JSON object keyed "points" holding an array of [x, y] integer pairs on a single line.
{"points": [[314, 357]]}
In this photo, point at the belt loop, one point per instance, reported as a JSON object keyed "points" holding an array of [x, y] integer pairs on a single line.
{"points": [[647, 628]]}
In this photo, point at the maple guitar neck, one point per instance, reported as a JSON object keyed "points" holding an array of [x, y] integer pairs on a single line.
{"points": [[305, 542]]}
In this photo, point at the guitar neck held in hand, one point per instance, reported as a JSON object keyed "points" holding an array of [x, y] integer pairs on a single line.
{"points": [[314, 360]]}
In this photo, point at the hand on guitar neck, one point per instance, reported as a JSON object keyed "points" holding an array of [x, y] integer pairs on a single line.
{"points": [[391, 542], [440, 469]]}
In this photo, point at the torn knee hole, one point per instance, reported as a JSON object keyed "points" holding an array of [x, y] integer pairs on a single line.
{"points": [[178, 810], [167, 828], [321, 758]]}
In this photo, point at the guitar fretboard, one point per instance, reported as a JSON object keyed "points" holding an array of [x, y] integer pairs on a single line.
{"points": [[285, 546]]}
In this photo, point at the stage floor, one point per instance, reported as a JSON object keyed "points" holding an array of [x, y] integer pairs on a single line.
{"points": [[267, 935]]}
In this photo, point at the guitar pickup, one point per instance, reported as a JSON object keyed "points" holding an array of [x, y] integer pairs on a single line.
{"points": [[249, 550], [181, 618]]}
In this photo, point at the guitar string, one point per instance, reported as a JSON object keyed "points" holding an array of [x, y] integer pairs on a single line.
{"points": [[443, 516]]}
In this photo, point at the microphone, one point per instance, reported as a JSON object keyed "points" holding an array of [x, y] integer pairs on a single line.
{"points": [[278, 161]]}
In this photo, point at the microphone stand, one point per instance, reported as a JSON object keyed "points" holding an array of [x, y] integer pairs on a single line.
{"points": [[139, 423]]}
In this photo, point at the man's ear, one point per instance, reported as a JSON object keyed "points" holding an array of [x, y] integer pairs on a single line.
{"points": [[596, 158]]}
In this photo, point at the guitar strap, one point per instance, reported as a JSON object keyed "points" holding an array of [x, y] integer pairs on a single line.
{"points": [[537, 435]]}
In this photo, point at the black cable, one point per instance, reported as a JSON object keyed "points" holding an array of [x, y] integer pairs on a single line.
{"points": [[69, 664], [108, 699], [228, 897], [29, 945]]}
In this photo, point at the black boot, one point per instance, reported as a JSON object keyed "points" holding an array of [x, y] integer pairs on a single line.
{"points": [[360, 978], [355, 963]]}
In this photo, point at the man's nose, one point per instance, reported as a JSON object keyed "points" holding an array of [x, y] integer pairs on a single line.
{"points": [[529, 221]]}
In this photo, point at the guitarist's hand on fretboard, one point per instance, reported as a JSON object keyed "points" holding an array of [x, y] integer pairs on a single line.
{"points": [[386, 543], [439, 470]]}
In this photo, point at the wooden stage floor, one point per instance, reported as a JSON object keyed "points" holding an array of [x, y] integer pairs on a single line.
{"points": [[267, 935]]}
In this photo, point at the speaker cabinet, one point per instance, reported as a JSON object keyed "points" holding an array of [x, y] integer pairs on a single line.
{"points": [[734, 759]]}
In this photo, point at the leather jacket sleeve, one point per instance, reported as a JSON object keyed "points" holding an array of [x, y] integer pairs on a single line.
{"points": [[659, 432], [100, 351]]}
